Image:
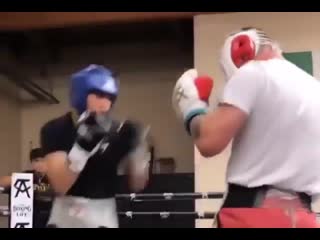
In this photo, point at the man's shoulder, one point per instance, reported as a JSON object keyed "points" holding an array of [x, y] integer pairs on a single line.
{"points": [[58, 134], [252, 68], [57, 123], [273, 65], [249, 74]]}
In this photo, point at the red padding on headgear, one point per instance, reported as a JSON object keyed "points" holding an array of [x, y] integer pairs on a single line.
{"points": [[242, 50]]}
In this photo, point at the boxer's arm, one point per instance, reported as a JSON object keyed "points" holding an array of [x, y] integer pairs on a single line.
{"points": [[138, 168], [137, 180], [5, 181], [133, 152], [59, 174], [213, 131]]}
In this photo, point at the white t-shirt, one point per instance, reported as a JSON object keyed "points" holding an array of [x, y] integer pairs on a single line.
{"points": [[280, 144]]}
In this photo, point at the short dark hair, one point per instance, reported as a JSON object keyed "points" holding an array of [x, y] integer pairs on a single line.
{"points": [[35, 153]]}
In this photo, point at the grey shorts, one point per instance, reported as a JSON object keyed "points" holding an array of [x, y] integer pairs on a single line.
{"points": [[77, 212]]}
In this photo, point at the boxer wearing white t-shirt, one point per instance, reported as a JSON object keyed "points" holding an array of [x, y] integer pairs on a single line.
{"points": [[270, 109], [281, 141]]}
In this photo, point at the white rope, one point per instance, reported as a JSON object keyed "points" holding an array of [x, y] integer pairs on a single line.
{"points": [[168, 196], [164, 214], [205, 195], [133, 196], [129, 214], [201, 214]]}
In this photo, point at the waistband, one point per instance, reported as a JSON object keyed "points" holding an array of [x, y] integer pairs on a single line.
{"points": [[244, 197], [83, 200]]}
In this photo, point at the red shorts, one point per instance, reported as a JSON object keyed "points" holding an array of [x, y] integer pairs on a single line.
{"points": [[273, 213]]}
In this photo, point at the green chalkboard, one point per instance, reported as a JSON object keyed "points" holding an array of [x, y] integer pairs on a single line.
{"points": [[301, 59]]}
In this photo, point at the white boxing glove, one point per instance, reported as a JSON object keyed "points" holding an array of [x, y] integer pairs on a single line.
{"points": [[191, 95]]}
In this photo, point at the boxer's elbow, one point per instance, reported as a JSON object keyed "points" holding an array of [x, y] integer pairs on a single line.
{"points": [[138, 180], [212, 143], [137, 187], [208, 148], [218, 128], [138, 183], [61, 178]]}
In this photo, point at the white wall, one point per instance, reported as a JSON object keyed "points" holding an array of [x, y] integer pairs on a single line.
{"points": [[147, 73], [294, 31]]}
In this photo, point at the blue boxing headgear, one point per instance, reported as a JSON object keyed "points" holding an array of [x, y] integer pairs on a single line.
{"points": [[92, 78]]}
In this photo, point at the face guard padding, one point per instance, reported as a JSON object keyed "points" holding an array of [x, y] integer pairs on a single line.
{"points": [[240, 48]]}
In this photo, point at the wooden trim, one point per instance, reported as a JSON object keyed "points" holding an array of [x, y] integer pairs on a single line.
{"points": [[44, 20]]}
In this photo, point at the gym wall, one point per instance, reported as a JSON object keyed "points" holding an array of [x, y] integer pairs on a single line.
{"points": [[147, 71], [9, 139], [294, 31], [9, 129]]}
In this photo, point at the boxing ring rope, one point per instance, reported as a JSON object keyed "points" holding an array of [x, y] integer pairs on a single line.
{"points": [[4, 212], [164, 215], [142, 197], [169, 196], [146, 197], [136, 197], [164, 196]]}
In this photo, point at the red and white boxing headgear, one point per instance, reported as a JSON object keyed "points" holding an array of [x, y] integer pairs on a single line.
{"points": [[241, 47]]}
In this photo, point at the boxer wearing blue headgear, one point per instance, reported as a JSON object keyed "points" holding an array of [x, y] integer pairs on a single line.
{"points": [[92, 79], [83, 156]]}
